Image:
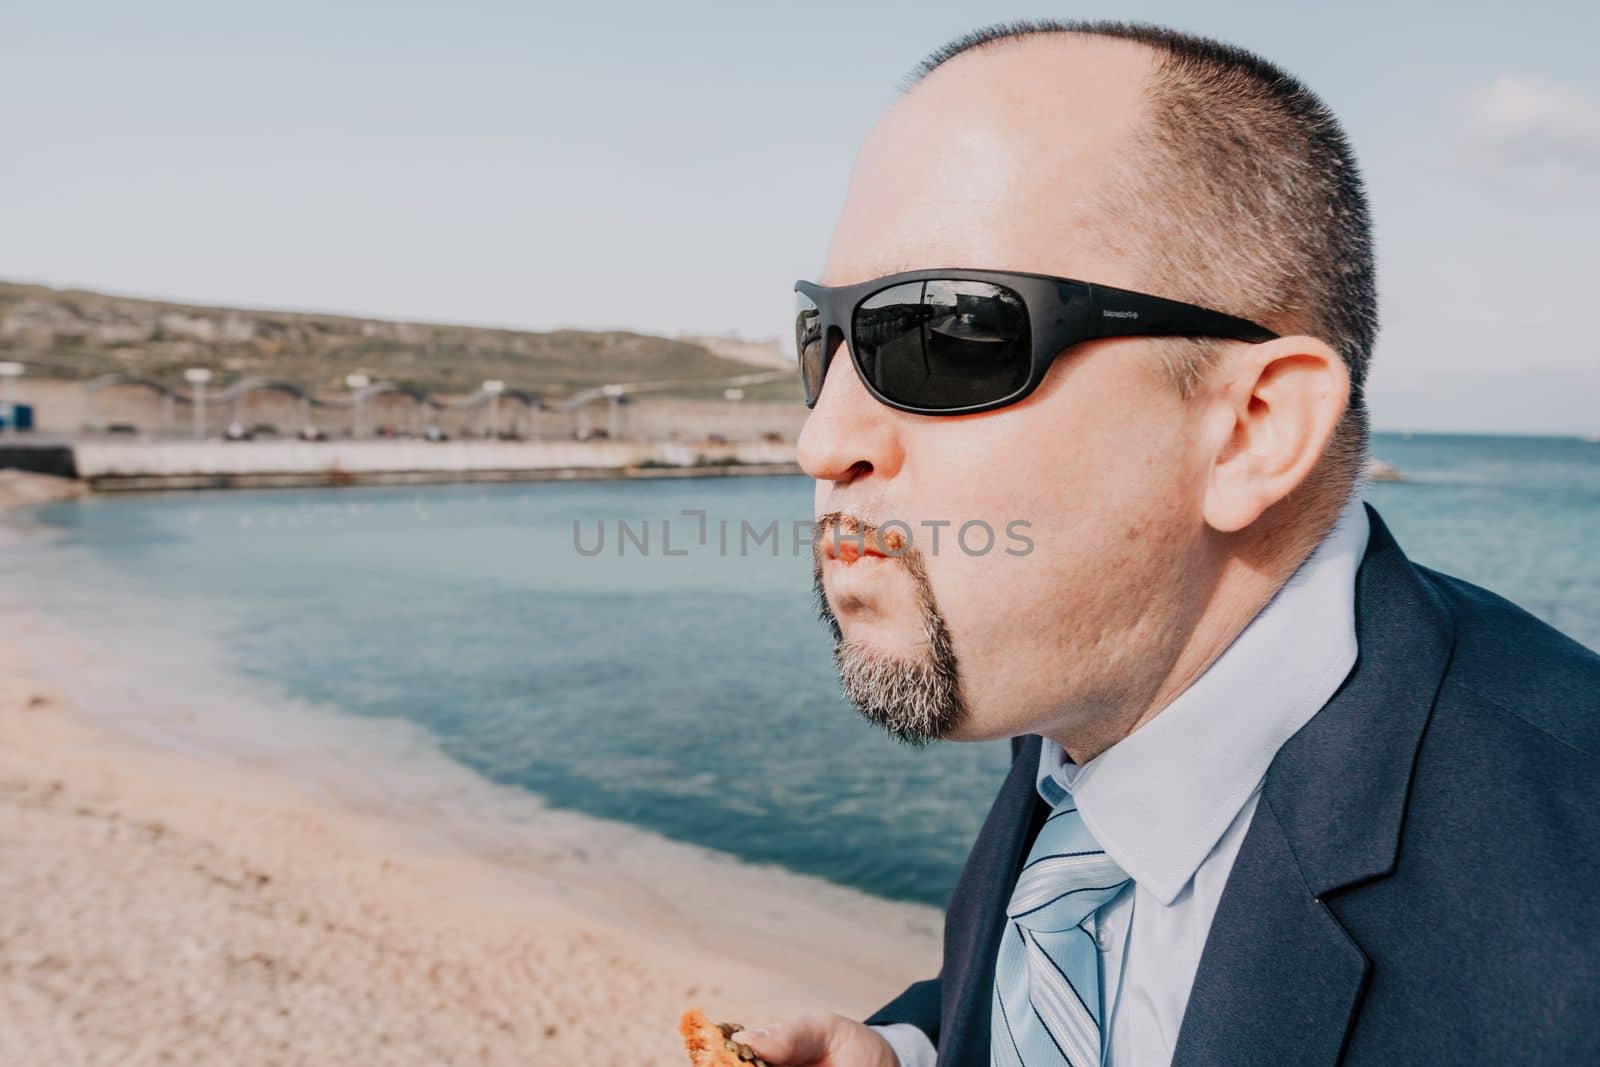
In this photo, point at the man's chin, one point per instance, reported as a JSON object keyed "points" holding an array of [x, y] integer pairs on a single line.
{"points": [[884, 638], [887, 619], [915, 698], [898, 669]]}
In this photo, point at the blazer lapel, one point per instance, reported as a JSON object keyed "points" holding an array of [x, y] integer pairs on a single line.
{"points": [[1281, 980], [977, 913]]}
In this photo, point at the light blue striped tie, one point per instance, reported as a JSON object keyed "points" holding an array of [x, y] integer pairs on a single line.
{"points": [[1047, 1010]]}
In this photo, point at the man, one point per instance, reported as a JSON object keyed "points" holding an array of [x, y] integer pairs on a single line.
{"points": [[1278, 795]]}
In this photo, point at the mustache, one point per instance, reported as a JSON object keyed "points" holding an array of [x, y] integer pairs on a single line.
{"points": [[837, 527]]}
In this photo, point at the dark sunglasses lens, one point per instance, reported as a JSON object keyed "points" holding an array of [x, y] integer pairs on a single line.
{"points": [[944, 343], [808, 345]]}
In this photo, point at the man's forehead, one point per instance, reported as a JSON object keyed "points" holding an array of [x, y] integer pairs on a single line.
{"points": [[997, 160], [995, 233]]}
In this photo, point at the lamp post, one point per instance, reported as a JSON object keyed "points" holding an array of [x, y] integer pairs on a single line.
{"points": [[198, 377], [8, 371], [356, 381], [613, 393], [494, 387]]}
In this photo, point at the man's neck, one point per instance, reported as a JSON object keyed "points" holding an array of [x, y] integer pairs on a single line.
{"points": [[1246, 582], [1235, 603], [1215, 629]]}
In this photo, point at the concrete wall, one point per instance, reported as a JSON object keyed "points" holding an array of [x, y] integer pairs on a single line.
{"points": [[110, 464]]}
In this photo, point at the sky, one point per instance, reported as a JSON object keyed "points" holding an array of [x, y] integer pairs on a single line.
{"points": [[673, 168]]}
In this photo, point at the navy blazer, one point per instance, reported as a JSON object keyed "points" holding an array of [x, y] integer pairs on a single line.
{"points": [[1420, 883]]}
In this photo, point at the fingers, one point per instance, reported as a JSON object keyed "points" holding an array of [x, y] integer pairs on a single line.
{"points": [[799, 1041]]}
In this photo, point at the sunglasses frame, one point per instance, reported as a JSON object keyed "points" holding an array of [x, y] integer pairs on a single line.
{"points": [[1062, 313]]}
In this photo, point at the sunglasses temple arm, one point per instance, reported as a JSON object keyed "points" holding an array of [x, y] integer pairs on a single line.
{"points": [[1120, 313]]}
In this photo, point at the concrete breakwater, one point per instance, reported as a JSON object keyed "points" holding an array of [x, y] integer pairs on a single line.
{"points": [[147, 465]]}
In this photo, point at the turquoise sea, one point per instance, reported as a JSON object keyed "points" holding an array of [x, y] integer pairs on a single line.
{"points": [[690, 694]]}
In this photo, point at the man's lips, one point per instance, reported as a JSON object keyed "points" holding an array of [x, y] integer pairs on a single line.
{"points": [[848, 552], [852, 544]]}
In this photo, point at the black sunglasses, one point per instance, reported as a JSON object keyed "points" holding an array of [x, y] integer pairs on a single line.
{"points": [[956, 341]]}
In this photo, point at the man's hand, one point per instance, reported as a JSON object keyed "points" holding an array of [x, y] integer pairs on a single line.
{"points": [[820, 1041]]}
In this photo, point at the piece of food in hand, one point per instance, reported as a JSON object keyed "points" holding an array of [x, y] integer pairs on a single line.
{"points": [[711, 1044]]}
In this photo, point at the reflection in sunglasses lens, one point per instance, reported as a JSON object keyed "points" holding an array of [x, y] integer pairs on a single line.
{"points": [[944, 343]]}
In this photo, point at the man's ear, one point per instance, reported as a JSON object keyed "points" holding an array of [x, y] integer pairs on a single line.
{"points": [[1273, 409]]}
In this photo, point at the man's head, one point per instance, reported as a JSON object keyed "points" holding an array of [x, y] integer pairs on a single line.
{"points": [[1167, 484]]}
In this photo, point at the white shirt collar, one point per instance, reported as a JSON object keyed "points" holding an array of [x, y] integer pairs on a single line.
{"points": [[1158, 800]]}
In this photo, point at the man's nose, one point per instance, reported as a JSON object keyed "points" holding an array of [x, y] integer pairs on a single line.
{"points": [[849, 435]]}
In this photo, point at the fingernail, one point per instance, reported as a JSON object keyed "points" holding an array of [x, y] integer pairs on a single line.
{"points": [[742, 1034]]}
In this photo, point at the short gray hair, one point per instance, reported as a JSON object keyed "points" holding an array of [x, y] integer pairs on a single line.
{"points": [[1247, 198]]}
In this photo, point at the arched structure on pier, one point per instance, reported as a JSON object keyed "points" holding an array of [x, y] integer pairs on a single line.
{"points": [[262, 404], [482, 413], [385, 408], [254, 402], [130, 400]]}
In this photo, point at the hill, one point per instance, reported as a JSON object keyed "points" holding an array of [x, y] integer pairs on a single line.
{"points": [[78, 334]]}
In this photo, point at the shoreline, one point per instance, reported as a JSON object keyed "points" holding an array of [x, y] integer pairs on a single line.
{"points": [[326, 890], [105, 465], [331, 480]]}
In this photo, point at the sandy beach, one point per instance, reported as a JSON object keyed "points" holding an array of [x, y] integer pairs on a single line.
{"points": [[172, 894]]}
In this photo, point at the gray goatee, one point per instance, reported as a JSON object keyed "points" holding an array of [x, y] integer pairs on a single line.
{"points": [[916, 699]]}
